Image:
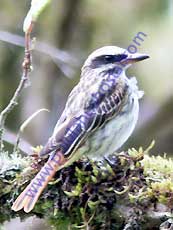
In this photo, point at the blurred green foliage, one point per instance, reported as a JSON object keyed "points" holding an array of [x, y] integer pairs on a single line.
{"points": [[80, 27]]}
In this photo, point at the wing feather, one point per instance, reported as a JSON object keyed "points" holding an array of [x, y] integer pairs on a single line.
{"points": [[76, 124]]}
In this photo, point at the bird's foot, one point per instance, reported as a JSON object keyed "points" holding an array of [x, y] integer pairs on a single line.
{"points": [[36, 164]]}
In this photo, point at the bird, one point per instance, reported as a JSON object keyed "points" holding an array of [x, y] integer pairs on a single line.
{"points": [[99, 116]]}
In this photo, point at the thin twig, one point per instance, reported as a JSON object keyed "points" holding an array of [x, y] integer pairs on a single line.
{"points": [[11, 138], [23, 126], [14, 101]]}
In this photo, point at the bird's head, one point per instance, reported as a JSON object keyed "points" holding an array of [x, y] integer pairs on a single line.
{"points": [[108, 57]]}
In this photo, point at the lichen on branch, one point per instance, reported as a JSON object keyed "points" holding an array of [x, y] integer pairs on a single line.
{"points": [[127, 189]]}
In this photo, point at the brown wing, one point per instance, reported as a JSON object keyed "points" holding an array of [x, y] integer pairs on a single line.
{"points": [[73, 129]]}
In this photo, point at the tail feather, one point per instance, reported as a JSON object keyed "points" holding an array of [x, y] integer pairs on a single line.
{"points": [[32, 192]]}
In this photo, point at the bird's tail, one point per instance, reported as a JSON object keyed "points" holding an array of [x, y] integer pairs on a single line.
{"points": [[30, 195]]}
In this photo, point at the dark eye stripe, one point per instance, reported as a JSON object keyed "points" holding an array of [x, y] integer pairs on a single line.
{"points": [[107, 59], [119, 57], [113, 58]]}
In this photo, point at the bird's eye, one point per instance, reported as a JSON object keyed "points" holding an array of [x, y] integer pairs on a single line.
{"points": [[109, 58], [114, 58]]}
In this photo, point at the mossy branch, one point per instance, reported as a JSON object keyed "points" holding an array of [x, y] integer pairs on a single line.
{"points": [[127, 191]]}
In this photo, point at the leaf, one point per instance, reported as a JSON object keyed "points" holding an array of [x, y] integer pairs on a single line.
{"points": [[37, 6]]}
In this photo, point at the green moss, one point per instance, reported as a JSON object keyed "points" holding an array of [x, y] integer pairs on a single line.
{"points": [[92, 194]]}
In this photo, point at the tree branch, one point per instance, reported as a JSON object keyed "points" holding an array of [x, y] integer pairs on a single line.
{"points": [[24, 78], [126, 191]]}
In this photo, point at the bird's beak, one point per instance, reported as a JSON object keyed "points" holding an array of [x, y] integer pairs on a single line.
{"points": [[132, 58]]}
